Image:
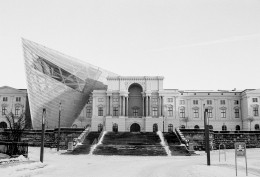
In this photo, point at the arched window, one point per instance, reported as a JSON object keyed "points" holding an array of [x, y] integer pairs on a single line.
{"points": [[237, 127], [210, 127], [155, 127], [100, 127], [256, 126], [196, 127], [170, 128], [74, 126], [3, 125], [224, 128], [115, 127], [182, 127]]}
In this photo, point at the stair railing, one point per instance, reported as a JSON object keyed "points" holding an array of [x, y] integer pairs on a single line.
{"points": [[81, 137], [180, 136]]}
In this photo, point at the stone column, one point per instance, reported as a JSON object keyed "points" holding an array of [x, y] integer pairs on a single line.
{"points": [[146, 105], [163, 111], [111, 106], [159, 106], [150, 110], [143, 106], [127, 101], [107, 106], [123, 105]]}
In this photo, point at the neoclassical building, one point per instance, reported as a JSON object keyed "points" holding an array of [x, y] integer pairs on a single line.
{"points": [[90, 95], [139, 103]]}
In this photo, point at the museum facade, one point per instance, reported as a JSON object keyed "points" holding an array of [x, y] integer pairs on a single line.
{"points": [[90, 95]]}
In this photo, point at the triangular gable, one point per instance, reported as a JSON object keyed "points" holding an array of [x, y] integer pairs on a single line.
{"points": [[10, 90]]}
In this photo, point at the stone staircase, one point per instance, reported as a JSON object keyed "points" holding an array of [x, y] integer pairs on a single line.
{"points": [[87, 143], [126, 143], [176, 148]]}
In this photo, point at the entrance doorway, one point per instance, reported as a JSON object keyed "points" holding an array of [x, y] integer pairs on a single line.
{"points": [[135, 127]]}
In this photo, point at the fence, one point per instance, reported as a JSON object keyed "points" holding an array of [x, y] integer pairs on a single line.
{"points": [[14, 148]]}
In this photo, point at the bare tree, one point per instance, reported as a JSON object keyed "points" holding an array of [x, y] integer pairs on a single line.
{"points": [[16, 125], [186, 120], [250, 119]]}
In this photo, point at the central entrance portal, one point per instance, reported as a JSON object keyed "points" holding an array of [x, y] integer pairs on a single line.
{"points": [[135, 127]]}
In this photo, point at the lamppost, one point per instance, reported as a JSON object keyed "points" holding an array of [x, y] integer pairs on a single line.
{"points": [[43, 132], [206, 127], [58, 140]]}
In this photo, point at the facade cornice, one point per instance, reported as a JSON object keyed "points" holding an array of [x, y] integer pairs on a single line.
{"points": [[135, 78]]}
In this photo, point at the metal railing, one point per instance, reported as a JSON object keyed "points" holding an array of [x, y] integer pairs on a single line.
{"points": [[14, 148]]}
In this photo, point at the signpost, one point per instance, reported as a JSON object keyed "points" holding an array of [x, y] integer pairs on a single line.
{"points": [[224, 149], [240, 151], [206, 125], [43, 132]]}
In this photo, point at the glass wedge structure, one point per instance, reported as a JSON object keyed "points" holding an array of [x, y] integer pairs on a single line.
{"points": [[54, 78]]}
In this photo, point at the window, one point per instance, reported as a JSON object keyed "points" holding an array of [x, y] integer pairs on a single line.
{"points": [[115, 127], [170, 128], [170, 100], [255, 111], [182, 112], [195, 102], [196, 113], [182, 127], [89, 112], [254, 99], [210, 127], [155, 128], [155, 112], [16, 111], [223, 113], [100, 127], [182, 102], [224, 128], [236, 102], [222, 102], [115, 111], [196, 127], [170, 111], [236, 113], [256, 126], [209, 113], [135, 112], [4, 110], [209, 102], [18, 99], [100, 111], [100, 99], [5, 99], [237, 127], [3, 125]]}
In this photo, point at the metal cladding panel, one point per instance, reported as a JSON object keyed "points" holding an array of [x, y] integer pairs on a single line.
{"points": [[53, 78]]}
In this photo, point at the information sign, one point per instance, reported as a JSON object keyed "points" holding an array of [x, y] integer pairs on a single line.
{"points": [[240, 151]]}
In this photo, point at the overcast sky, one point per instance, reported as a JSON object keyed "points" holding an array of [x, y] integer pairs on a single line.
{"points": [[194, 44]]}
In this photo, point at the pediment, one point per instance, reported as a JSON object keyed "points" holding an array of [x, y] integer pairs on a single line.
{"points": [[10, 90]]}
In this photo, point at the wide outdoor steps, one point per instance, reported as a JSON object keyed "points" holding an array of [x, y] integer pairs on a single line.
{"points": [[126, 143], [176, 148], [87, 143]]}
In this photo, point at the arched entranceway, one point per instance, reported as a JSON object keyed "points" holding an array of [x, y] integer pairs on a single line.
{"points": [[135, 106], [135, 127]]}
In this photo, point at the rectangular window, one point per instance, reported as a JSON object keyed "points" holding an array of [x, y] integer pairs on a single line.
{"points": [[209, 113], [100, 111], [89, 113], [16, 111], [3, 110], [115, 111], [209, 102], [222, 102], [196, 113], [195, 102], [236, 102], [155, 111], [5, 99], [223, 113], [236, 113], [255, 111], [170, 111], [182, 102], [170, 100], [135, 112], [18, 99], [100, 99], [254, 99], [182, 113]]}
